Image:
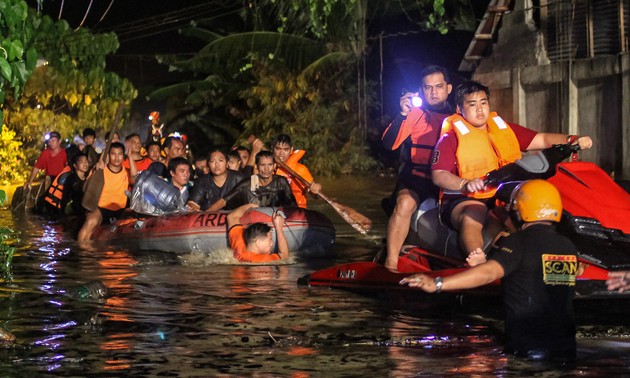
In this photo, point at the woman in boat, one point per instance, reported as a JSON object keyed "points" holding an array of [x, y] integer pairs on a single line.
{"points": [[214, 186]]}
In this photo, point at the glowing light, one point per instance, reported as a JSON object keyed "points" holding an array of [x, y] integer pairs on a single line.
{"points": [[416, 101]]}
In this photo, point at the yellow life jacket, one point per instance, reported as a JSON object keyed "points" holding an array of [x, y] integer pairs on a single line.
{"points": [[481, 151]]}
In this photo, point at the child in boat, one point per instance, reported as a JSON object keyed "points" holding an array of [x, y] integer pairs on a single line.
{"points": [[255, 243]]}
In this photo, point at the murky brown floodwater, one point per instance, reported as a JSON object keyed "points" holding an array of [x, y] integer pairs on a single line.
{"points": [[185, 317]]}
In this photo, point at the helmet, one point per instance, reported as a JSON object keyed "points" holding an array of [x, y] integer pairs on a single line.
{"points": [[537, 200], [154, 116]]}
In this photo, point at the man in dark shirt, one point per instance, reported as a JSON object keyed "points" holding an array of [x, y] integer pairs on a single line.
{"points": [[538, 268], [264, 189]]}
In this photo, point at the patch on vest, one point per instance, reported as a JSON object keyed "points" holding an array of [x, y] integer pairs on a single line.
{"points": [[559, 269], [435, 157]]}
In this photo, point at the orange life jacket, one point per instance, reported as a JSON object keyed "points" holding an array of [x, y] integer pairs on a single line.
{"points": [[423, 130], [113, 196], [297, 188], [55, 191], [481, 151]]}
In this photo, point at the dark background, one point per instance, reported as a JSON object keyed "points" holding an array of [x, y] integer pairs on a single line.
{"points": [[147, 28]]}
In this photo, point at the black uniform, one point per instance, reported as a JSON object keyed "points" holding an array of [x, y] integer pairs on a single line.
{"points": [[205, 192], [539, 284], [277, 193]]}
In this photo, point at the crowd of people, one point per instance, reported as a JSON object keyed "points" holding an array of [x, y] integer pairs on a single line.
{"points": [[445, 152], [218, 180]]}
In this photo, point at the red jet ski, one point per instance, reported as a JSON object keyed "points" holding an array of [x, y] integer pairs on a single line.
{"points": [[596, 217]]}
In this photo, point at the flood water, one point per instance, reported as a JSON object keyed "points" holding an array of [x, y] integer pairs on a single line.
{"points": [[168, 316]]}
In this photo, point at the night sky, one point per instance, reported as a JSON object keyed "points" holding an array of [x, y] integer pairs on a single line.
{"points": [[146, 28]]}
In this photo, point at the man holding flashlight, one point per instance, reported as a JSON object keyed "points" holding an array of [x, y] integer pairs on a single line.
{"points": [[415, 130]]}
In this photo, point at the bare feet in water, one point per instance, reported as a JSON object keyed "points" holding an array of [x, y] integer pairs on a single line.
{"points": [[476, 257]]}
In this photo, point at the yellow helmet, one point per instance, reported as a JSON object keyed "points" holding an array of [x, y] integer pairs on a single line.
{"points": [[537, 200]]}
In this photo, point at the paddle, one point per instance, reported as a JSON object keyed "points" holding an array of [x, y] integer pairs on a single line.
{"points": [[355, 219], [94, 184]]}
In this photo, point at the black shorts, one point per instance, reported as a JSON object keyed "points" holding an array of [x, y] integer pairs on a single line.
{"points": [[449, 203], [110, 216], [422, 186]]}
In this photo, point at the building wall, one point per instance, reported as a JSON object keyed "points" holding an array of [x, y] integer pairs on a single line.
{"points": [[586, 96]]}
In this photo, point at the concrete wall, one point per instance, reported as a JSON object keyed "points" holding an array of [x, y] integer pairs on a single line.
{"points": [[586, 97]]}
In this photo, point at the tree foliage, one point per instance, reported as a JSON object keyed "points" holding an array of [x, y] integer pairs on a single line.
{"points": [[11, 156], [294, 66], [17, 55], [71, 89]]}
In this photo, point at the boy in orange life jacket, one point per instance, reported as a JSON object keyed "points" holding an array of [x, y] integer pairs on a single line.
{"points": [[476, 143], [415, 131], [255, 243], [283, 151]]}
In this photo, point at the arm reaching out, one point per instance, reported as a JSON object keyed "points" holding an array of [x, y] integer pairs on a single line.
{"points": [[283, 246], [234, 217], [619, 281]]}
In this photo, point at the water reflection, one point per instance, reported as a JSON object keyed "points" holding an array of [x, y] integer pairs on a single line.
{"points": [[186, 317]]}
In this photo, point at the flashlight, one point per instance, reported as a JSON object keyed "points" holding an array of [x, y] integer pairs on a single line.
{"points": [[416, 101], [46, 137]]}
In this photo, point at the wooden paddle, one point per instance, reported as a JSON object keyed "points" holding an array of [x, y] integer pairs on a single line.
{"points": [[355, 219], [94, 184]]}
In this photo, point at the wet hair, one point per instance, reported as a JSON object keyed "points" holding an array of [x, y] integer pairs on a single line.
{"points": [[168, 142], [88, 131], [117, 145], [430, 70], [264, 154], [255, 231], [282, 139], [242, 148], [71, 151], [107, 135], [219, 151], [234, 154], [153, 143], [75, 159], [130, 136], [200, 157], [174, 163], [469, 87]]}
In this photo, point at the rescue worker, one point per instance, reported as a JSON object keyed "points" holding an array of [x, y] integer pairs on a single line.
{"points": [[537, 267], [415, 131], [263, 188], [477, 142], [113, 198], [254, 244], [52, 160], [619, 281], [283, 151]]}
